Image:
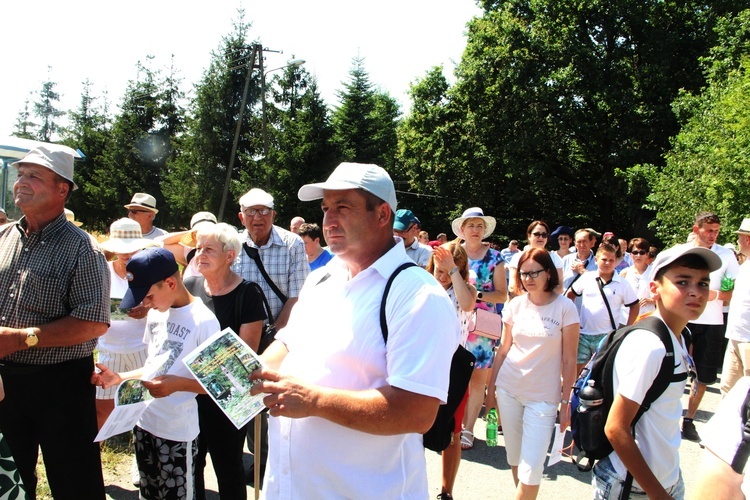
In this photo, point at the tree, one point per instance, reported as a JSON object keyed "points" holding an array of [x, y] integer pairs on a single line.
{"points": [[46, 110], [24, 127], [88, 131], [561, 97], [365, 122], [708, 167], [197, 173]]}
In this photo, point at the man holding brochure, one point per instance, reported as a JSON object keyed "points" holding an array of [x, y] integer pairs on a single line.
{"points": [[348, 410]]}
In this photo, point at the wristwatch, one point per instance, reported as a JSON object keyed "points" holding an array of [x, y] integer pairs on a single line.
{"points": [[31, 338], [479, 295], [564, 401], [453, 271]]}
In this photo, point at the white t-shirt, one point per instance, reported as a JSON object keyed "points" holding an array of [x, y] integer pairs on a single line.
{"points": [[334, 340], [533, 366], [723, 433], [713, 314], [177, 331], [738, 320], [125, 334], [594, 315], [657, 433], [640, 283], [463, 316], [517, 257]]}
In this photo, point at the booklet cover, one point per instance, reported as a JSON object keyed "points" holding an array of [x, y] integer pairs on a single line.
{"points": [[131, 400], [222, 365]]}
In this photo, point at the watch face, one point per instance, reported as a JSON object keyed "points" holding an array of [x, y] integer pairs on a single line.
{"points": [[31, 339]]}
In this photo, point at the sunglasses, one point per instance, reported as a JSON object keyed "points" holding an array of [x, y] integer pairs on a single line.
{"points": [[540, 235], [131, 211], [639, 252]]}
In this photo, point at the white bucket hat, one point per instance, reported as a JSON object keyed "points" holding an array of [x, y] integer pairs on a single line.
{"points": [[57, 160], [125, 237], [474, 213]]}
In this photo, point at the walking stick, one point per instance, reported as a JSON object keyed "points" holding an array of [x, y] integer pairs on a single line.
{"points": [[256, 456]]}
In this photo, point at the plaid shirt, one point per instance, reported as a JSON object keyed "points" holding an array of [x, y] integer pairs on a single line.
{"points": [[48, 275], [285, 262]]}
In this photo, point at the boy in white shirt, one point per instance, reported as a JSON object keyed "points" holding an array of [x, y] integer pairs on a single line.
{"points": [[597, 317], [680, 285], [166, 436]]}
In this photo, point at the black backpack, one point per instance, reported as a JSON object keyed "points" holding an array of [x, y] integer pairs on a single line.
{"points": [[440, 435], [587, 420]]}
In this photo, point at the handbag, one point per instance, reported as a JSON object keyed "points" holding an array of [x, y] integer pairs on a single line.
{"points": [[486, 323]]}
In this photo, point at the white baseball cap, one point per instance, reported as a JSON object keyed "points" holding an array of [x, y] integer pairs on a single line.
{"points": [[666, 257], [256, 197], [371, 178]]}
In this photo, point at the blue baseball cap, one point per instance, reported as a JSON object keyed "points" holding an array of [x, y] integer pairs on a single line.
{"points": [[144, 270], [404, 219]]}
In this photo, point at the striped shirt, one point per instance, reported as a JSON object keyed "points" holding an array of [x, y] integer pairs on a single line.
{"points": [[48, 275], [284, 260]]}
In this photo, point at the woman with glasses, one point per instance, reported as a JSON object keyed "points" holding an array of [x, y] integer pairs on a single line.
{"points": [[488, 271], [534, 368], [638, 277], [537, 235]]}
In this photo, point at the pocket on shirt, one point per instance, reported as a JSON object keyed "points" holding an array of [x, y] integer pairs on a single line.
{"points": [[43, 294]]}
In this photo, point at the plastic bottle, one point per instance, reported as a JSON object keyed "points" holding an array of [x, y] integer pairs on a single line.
{"points": [[590, 397], [492, 427]]}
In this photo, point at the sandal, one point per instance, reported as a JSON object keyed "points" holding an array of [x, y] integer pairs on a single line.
{"points": [[467, 439]]}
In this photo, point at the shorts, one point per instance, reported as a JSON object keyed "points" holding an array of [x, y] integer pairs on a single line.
{"points": [[708, 350], [527, 429], [166, 468], [587, 346], [118, 363], [608, 485], [483, 348]]}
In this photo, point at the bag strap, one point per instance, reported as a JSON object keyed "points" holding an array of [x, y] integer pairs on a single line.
{"points": [[253, 253], [265, 301], [606, 303], [743, 450], [239, 302], [383, 323]]}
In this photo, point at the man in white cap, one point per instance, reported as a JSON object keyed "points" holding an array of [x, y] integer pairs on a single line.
{"points": [[54, 306], [349, 408], [736, 358], [142, 209], [275, 259]]}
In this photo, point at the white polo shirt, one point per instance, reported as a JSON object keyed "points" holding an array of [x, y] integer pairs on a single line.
{"points": [[714, 314], [738, 320], [594, 316], [334, 340]]}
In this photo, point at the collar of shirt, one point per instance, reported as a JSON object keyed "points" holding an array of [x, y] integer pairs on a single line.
{"points": [[273, 239], [55, 225], [385, 265]]}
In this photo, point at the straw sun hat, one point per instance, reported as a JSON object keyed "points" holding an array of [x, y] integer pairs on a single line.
{"points": [[125, 237]]}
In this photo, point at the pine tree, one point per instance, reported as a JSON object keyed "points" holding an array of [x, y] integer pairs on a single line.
{"points": [[45, 108]]}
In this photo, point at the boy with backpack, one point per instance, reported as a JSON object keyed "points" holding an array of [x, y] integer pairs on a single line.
{"points": [[648, 451], [603, 294]]}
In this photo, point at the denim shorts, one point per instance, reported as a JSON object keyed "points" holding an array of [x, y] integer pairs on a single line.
{"points": [[608, 485], [587, 345]]}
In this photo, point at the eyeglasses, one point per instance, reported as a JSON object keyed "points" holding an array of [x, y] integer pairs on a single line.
{"points": [[532, 274], [540, 235], [131, 211], [250, 212], [639, 252]]}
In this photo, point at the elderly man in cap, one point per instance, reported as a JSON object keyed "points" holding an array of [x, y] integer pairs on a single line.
{"points": [[737, 355], [348, 408], [406, 226], [275, 259], [142, 209], [54, 306]]}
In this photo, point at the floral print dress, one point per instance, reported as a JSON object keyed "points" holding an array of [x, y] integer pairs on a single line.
{"points": [[481, 272]]}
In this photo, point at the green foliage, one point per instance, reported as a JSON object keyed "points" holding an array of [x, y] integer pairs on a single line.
{"points": [[365, 122], [24, 127], [45, 108], [708, 167]]}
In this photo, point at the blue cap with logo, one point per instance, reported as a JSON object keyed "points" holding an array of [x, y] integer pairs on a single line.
{"points": [[144, 270]]}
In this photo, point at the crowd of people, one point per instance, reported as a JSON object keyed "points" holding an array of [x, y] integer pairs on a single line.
{"points": [[83, 316]]}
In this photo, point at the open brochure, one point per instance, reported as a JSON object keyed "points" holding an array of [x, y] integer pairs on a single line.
{"points": [[222, 365]]}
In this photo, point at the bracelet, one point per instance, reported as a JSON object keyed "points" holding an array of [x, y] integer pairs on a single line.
{"points": [[453, 271], [564, 401]]}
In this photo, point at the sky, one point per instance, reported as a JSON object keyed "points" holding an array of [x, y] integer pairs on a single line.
{"points": [[102, 41]]}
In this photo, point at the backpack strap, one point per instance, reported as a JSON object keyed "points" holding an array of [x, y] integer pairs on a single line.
{"points": [[743, 450], [383, 323]]}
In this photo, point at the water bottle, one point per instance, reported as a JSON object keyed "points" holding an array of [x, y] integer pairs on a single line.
{"points": [[492, 427], [590, 397]]}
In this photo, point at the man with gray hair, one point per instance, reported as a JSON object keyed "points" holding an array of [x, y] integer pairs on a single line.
{"points": [[54, 306], [349, 408]]}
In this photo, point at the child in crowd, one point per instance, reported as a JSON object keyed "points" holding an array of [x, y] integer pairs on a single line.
{"points": [[680, 285], [598, 316], [166, 436]]}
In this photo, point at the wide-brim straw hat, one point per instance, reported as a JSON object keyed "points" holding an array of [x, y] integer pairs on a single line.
{"points": [[474, 213], [72, 217], [125, 237]]}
